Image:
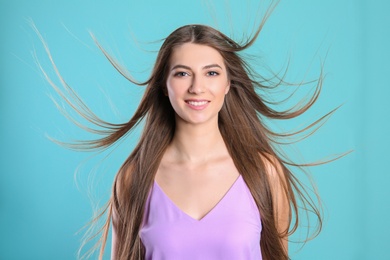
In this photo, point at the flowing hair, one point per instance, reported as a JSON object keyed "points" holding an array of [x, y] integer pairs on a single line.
{"points": [[241, 122]]}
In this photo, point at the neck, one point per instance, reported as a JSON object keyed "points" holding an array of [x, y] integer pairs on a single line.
{"points": [[197, 143]]}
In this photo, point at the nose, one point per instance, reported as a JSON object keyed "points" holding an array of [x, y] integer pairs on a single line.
{"points": [[197, 85]]}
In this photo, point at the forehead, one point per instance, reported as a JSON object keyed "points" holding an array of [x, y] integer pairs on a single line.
{"points": [[191, 54]]}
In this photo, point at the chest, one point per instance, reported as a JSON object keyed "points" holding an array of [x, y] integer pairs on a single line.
{"points": [[231, 229], [196, 190]]}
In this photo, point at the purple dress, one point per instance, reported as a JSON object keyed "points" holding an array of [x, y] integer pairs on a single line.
{"points": [[231, 230]]}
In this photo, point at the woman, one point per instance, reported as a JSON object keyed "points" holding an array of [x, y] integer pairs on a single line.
{"points": [[204, 181], [204, 121]]}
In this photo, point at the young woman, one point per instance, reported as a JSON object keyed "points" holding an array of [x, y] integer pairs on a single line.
{"points": [[205, 180], [202, 154]]}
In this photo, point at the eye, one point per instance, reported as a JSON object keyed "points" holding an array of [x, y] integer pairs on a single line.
{"points": [[212, 73], [181, 74]]}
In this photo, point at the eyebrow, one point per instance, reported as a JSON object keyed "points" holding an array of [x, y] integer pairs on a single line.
{"points": [[188, 68]]}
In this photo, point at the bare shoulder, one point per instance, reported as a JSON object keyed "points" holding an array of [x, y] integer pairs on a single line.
{"points": [[273, 168], [279, 189], [122, 180], [279, 186]]}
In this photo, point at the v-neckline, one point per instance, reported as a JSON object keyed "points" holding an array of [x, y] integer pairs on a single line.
{"points": [[209, 212]]}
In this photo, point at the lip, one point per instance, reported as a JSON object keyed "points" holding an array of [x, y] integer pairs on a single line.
{"points": [[197, 104]]}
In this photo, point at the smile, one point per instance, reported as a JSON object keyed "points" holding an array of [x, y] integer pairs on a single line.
{"points": [[197, 103]]}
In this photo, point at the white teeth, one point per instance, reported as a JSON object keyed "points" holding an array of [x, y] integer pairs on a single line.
{"points": [[197, 103]]}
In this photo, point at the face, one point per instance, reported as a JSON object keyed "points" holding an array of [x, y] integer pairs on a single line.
{"points": [[197, 83]]}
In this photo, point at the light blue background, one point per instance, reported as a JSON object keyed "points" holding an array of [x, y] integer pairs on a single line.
{"points": [[41, 207]]}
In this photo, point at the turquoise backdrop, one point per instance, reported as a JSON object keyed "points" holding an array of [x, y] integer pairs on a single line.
{"points": [[43, 203]]}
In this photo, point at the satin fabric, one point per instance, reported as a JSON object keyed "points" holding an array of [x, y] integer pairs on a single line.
{"points": [[231, 230]]}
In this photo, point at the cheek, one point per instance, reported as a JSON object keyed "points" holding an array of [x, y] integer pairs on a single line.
{"points": [[220, 88], [227, 88], [175, 91], [177, 87], [170, 87]]}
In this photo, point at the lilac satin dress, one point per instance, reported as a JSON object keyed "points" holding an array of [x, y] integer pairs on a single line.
{"points": [[231, 230]]}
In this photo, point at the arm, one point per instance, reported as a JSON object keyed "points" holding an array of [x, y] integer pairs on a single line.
{"points": [[278, 187], [120, 183]]}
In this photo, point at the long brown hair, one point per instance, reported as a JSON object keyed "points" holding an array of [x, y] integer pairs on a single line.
{"points": [[241, 124]]}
